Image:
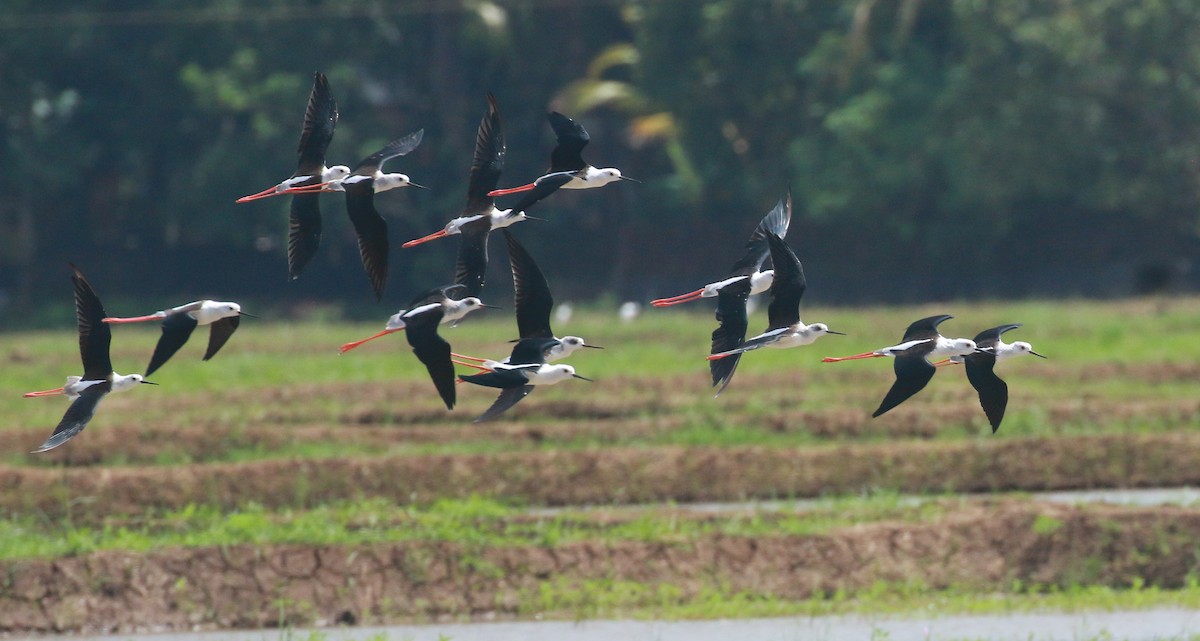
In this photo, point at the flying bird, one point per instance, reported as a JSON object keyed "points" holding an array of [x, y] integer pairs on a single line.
{"points": [[746, 277], [179, 322], [304, 222], [453, 311], [567, 167], [784, 327], [364, 182], [533, 303], [523, 370], [480, 215], [98, 376], [921, 343], [992, 390], [421, 325]]}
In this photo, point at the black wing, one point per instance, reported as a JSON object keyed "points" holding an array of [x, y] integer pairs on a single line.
{"points": [[731, 331], [507, 399], [487, 162], [95, 336], [926, 328], [76, 417], [992, 390], [304, 232], [176, 329], [989, 337], [913, 373], [320, 119], [371, 230], [545, 186], [787, 287], [531, 351], [572, 138], [775, 222], [499, 379], [436, 295], [434, 352], [471, 266], [398, 147], [531, 292], [219, 333]]}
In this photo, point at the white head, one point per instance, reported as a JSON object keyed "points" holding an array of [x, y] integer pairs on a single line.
{"points": [[960, 346], [817, 330], [1019, 348], [384, 182], [761, 281], [214, 310], [121, 383], [336, 172], [569, 345], [604, 176]]}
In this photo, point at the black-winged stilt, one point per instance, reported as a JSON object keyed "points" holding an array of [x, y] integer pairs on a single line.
{"points": [[178, 323], [98, 376]]}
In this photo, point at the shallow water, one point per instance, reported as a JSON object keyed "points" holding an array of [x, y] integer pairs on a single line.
{"points": [[1106, 626]]}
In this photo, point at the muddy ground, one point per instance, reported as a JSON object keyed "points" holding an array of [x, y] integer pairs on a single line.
{"points": [[616, 475], [980, 545]]}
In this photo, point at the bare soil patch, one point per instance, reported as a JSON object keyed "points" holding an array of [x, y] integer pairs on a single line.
{"points": [[617, 475], [981, 546]]}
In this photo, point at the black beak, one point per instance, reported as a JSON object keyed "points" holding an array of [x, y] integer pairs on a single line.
{"points": [[1036, 354], [245, 314], [830, 331], [413, 184], [634, 180], [583, 378], [490, 306], [592, 346], [148, 383]]}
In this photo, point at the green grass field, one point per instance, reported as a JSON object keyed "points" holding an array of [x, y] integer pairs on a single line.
{"points": [[279, 393]]}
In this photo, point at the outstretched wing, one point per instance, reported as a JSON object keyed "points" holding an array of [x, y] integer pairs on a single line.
{"points": [[787, 287], [913, 373], [470, 268], [95, 336], [775, 222], [434, 352], [76, 417], [989, 337], [572, 138], [992, 390], [176, 329], [731, 331], [397, 147], [926, 328], [320, 119], [304, 232], [371, 230], [487, 162], [507, 399], [531, 292], [219, 333]]}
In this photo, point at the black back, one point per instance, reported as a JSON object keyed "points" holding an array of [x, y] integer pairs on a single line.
{"points": [[531, 351], [372, 232], [320, 119], [989, 337], [176, 329], [775, 222], [95, 336], [433, 351], [572, 138], [436, 295], [487, 162], [787, 287], [531, 292], [732, 322]]}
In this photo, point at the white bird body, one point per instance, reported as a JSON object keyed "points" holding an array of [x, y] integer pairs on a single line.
{"points": [[455, 310], [794, 335], [547, 374], [589, 178]]}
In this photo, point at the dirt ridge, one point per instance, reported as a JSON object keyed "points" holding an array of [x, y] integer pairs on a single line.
{"points": [[617, 475], [979, 546]]}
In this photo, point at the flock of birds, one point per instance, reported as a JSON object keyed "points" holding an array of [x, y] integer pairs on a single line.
{"points": [[530, 364]]}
